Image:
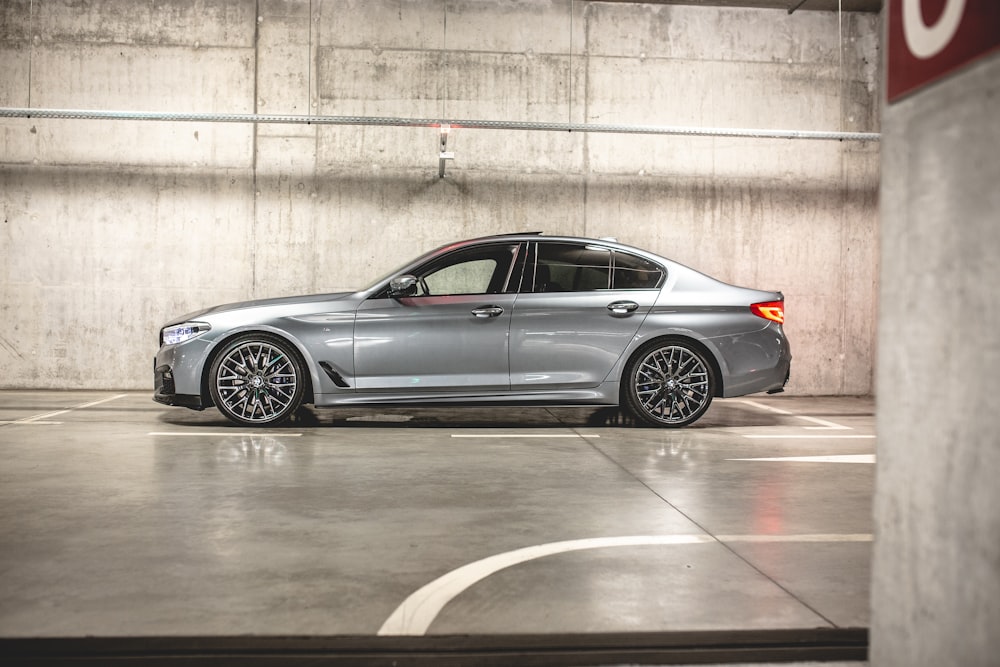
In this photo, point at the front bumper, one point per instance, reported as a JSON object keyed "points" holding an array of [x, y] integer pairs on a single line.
{"points": [[165, 393]]}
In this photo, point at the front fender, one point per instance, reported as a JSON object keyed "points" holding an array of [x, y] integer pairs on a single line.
{"points": [[311, 365]]}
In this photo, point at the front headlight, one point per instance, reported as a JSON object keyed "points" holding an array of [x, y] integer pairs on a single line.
{"points": [[182, 332]]}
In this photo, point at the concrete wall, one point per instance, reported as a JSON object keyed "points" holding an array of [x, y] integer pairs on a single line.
{"points": [[110, 228], [936, 571]]}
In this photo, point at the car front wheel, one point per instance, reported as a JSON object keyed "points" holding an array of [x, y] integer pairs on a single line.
{"points": [[669, 383], [257, 380]]}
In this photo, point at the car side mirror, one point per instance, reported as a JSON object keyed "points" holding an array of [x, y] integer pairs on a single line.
{"points": [[400, 286]]}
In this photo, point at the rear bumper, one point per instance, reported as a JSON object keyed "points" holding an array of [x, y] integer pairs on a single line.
{"points": [[778, 390], [758, 362]]}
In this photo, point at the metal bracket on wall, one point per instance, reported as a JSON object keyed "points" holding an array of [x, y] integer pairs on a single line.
{"points": [[443, 153]]}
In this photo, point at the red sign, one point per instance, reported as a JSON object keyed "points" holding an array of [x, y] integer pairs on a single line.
{"points": [[929, 39]]}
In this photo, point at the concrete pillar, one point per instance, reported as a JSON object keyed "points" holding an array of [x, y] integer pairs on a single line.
{"points": [[936, 568]]}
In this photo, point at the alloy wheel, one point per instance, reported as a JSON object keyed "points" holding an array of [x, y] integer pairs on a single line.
{"points": [[670, 386], [256, 382]]}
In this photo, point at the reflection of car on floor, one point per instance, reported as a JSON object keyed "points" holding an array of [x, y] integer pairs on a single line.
{"points": [[516, 319]]}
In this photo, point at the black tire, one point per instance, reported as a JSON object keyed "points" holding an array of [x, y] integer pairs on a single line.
{"points": [[257, 379], [668, 383]]}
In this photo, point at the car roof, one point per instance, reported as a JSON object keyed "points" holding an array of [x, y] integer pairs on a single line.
{"points": [[534, 236]]}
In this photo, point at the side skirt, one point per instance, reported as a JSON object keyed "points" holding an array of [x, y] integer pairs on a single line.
{"points": [[604, 394]]}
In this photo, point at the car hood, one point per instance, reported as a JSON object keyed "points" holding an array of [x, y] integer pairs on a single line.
{"points": [[260, 303]]}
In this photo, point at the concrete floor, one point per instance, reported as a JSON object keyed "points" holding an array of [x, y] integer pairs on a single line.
{"points": [[120, 517]]}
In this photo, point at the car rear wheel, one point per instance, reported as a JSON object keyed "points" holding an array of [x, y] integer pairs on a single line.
{"points": [[669, 383], [257, 380]]}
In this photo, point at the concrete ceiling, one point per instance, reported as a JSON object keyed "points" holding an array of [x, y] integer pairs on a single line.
{"points": [[797, 5]]}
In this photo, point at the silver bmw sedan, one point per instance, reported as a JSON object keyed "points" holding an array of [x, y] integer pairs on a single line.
{"points": [[520, 319]]}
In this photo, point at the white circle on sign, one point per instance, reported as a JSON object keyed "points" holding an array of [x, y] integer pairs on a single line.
{"points": [[926, 41]]}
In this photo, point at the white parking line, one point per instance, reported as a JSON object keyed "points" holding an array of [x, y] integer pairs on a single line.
{"points": [[415, 615], [524, 435], [217, 434], [43, 419], [833, 458], [810, 437], [766, 408], [819, 537], [824, 425], [30, 423]]}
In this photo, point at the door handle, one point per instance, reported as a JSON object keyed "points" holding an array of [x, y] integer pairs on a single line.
{"points": [[622, 307], [488, 311]]}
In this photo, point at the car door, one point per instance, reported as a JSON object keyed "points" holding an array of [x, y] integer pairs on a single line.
{"points": [[451, 334], [580, 307]]}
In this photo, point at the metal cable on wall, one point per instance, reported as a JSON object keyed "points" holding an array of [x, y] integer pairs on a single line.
{"points": [[81, 114]]}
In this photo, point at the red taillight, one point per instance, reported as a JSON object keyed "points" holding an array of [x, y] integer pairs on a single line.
{"points": [[770, 310]]}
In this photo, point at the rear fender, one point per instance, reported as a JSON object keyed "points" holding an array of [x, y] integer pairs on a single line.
{"points": [[704, 345]]}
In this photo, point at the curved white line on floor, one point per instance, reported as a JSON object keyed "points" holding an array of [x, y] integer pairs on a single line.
{"points": [[418, 611]]}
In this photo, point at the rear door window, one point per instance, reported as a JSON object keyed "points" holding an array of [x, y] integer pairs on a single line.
{"points": [[565, 267], [631, 272], [568, 267]]}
